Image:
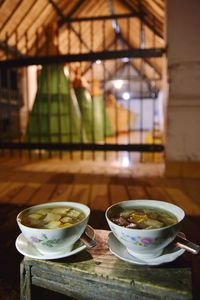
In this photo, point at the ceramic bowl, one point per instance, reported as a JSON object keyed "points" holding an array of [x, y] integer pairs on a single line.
{"points": [[145, 243], [55, 241]]}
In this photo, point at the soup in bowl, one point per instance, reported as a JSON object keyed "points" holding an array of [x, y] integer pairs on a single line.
{"points": [[145, 227], [53, 227]]}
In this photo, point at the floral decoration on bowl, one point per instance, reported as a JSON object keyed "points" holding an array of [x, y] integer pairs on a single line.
{"points": [[140, 241], [45, 241]]}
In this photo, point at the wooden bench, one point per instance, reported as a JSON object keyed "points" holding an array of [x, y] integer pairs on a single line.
{"points": [[97, 274]]}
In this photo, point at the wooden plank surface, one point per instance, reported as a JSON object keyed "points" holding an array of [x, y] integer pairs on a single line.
{"points": [[179, 198], [137, 192], [43, 194], [61, 192], [80, 193], [100, 272], [8, 195], [118, 193], [26, 194], [99, 199]]}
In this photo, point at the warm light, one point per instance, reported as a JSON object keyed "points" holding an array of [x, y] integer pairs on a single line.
{"points": [[126, 96], [125, 59], [98, 61], [118, 84], [66, 71], [125, 161]]}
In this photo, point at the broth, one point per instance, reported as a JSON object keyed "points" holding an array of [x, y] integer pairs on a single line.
{"points": [[144, 218], [52, 217]]}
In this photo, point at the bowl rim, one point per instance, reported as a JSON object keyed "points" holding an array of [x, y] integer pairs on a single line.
{"points": [[47, 204], [149, 201]]}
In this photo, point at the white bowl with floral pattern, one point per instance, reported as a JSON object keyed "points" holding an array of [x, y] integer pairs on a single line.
{"points": [[145, 243], [54, 240]]}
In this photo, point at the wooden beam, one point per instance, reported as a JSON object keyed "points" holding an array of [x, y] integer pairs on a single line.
{"points": [[90, 56], [146, 61], [122, 39], [10, 15], [97, 18], [85, 147], [142, 18], [60, 14], [21, 20], [73, 10]]}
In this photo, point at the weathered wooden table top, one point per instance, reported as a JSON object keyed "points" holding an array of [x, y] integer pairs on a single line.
{"points": [[98, 274]]}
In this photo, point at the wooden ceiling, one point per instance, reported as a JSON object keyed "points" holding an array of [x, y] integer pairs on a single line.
{"points": [[23, 24]]}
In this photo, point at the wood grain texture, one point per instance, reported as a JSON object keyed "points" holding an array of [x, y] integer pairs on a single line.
{"points": [[97, 274], [118, 193], [99, 199]]}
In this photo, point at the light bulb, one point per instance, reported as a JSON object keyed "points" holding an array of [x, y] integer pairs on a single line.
{"points": [[118, 84], [126, 96]]}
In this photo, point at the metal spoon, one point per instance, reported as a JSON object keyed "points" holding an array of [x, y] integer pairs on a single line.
{"points": [[87, 240], [183, 243]]}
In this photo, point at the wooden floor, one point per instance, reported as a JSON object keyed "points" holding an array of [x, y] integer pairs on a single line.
{"points": [[98, 184]]}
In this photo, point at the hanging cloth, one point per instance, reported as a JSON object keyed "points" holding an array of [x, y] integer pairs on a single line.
{"points": [[91, 109], [55, 116], [100, 111]]}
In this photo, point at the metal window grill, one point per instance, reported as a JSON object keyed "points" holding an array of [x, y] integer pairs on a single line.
{"points": [[63, 122]]}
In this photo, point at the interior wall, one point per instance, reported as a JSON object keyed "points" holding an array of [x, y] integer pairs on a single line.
{"points": [[183, 77]]}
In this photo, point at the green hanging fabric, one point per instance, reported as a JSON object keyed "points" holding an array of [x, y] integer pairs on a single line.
{"points": [[102, 116], [85, 104], [92, 115], [55, 116]]}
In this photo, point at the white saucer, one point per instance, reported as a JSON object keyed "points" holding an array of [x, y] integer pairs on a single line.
{"points": [[169, 254], [27, 249]]}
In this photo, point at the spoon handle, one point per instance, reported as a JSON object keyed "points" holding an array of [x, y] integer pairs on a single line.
{"points": [[183, 243], [88, 241]]}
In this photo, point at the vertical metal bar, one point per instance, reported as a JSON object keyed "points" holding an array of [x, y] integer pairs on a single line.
{"points": [[92, 87], [104, 80], [60, 97], [8, 102], [58, 114], [28, 135], [70, 104], [19, 137], [155, 125], [70, 115], [80, 65], [39, 99], [129, 91], [1, 119], [142, 42], [116, 104], [49, 96]]}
